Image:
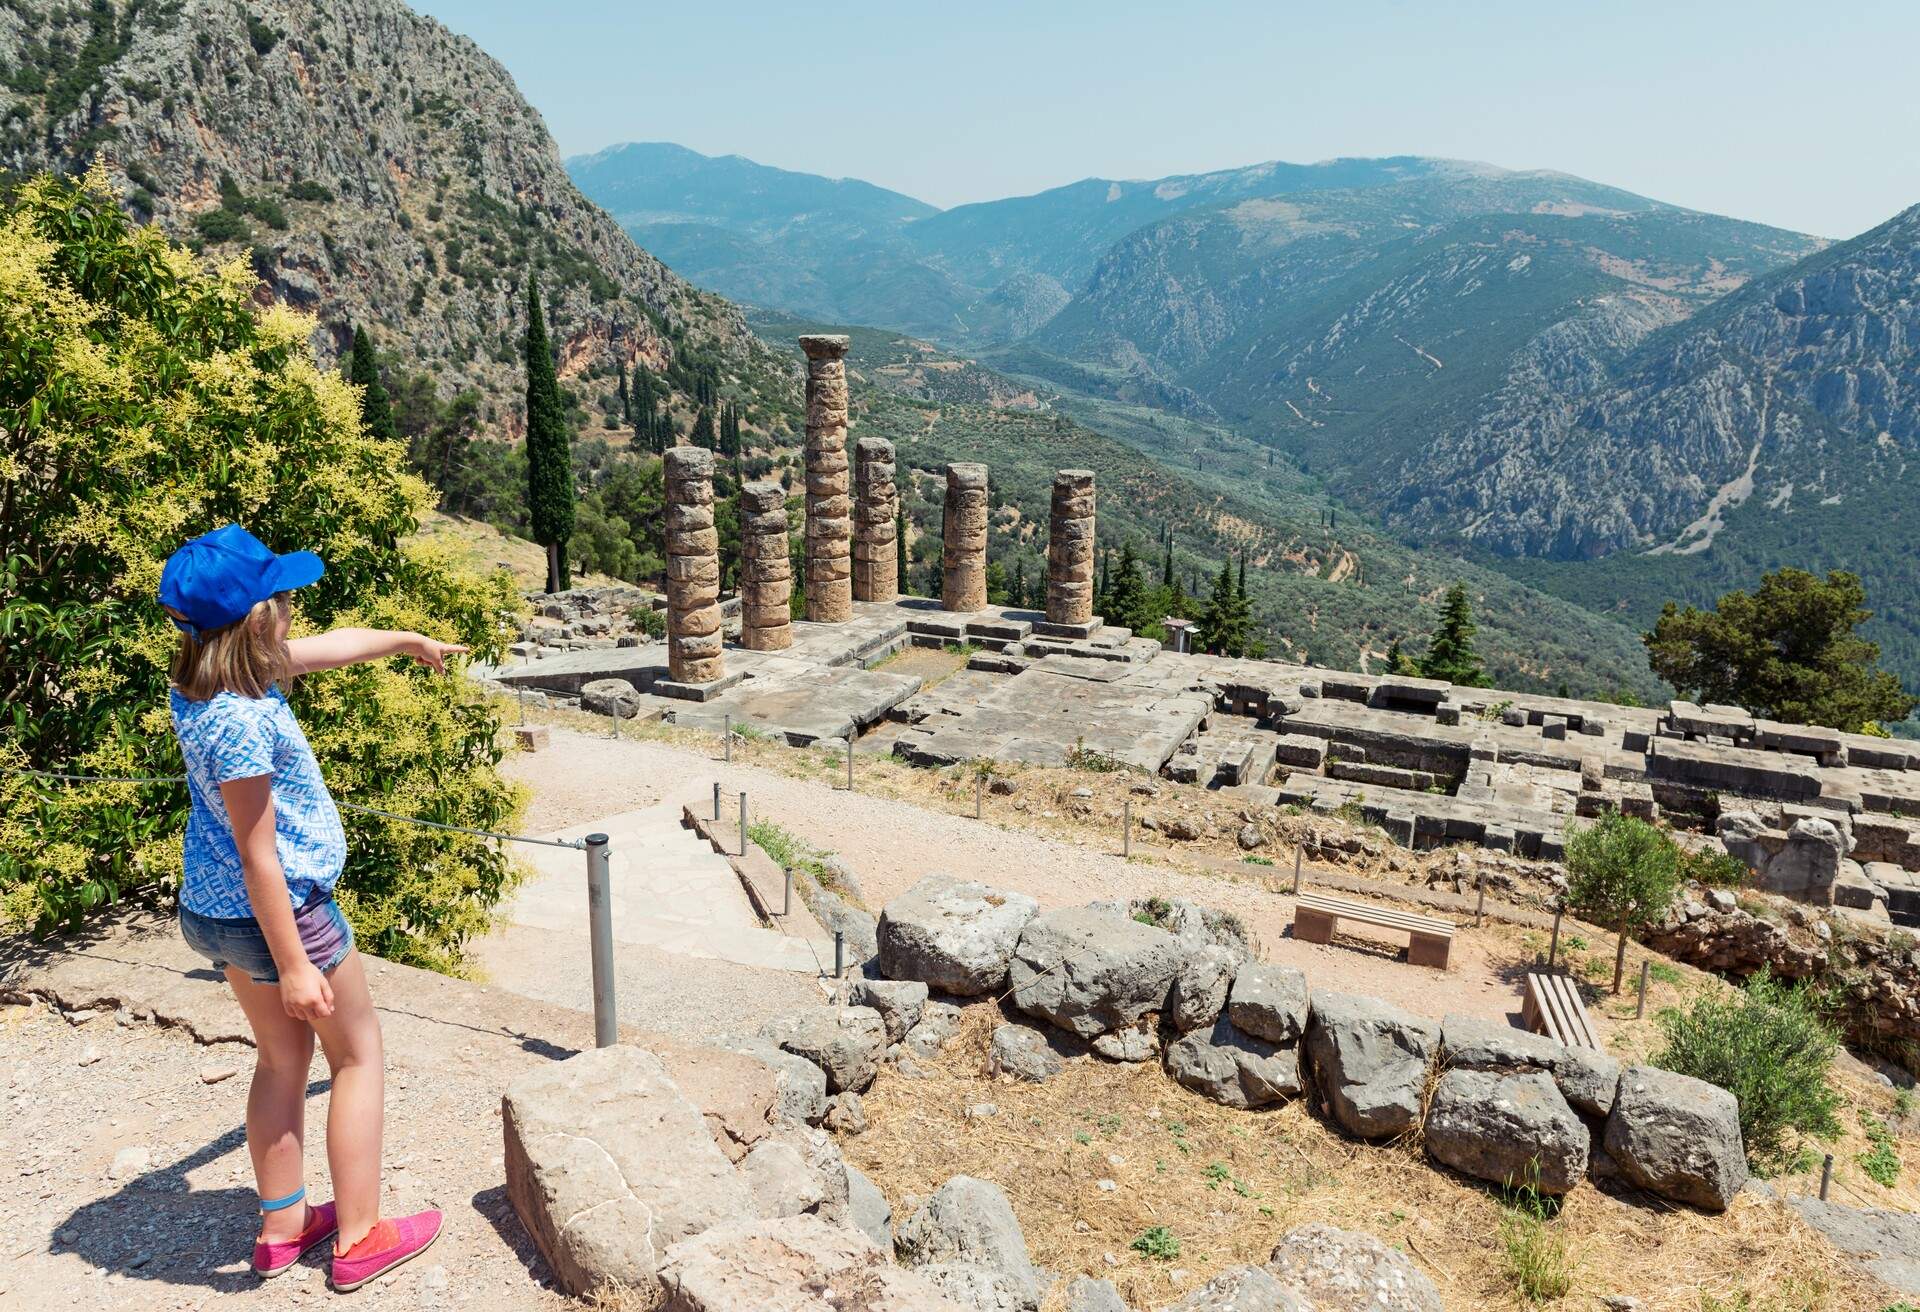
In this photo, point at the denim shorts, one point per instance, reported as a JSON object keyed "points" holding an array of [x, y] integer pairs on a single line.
{"points": [[324, 933]]}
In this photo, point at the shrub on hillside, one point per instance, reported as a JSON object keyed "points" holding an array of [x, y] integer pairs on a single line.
{"points": [[1773, 1049], [1621, 872], [144, 399]]}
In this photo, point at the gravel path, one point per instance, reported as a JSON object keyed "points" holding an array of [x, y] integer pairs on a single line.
{"points": [[126, 1183], [890, 844]]}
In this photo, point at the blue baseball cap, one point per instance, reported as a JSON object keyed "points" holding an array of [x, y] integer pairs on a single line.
{"points": [[216, 578]]}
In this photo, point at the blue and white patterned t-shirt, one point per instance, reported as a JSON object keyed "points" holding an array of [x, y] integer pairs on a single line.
{"points": [[230, 737]]}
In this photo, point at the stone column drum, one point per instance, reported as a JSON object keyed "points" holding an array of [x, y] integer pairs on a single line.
{"points": [[1070, 548], [766, 571], [963, 580], [829, 568], [876, 507], [693, 568]]}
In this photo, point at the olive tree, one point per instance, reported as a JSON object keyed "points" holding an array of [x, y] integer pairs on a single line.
{"points": [[1622, 872]]}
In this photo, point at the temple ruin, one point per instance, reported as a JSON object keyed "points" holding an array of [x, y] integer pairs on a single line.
{"points": [[1070, 537], [694, 637], [876, 510], [963, 574], [766, 569], [829, 577]]}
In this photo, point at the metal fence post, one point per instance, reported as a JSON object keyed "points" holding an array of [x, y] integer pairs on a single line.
{"points": [[726, 736], [743, 824], [716, 800], [606, 1023], [1126, 827], [786, 898], [1641, 1008], [1553, 948], [1826, 1176], [840, 955]]}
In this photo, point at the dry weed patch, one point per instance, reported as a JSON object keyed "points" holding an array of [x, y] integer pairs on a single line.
{"points": [[1103, 1154]]}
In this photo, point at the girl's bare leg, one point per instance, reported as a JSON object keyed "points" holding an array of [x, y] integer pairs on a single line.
{"points": [[355, 1111], [277, 1102]]}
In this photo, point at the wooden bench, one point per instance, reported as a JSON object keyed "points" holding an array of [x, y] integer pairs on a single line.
{"points": [[1551, 1005], [1316, 917]]}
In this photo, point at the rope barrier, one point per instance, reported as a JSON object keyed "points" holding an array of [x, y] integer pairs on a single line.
{"points": [[569, 844]]}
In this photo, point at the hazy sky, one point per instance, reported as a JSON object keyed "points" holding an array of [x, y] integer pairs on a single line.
{"points": [[1804, 115]]}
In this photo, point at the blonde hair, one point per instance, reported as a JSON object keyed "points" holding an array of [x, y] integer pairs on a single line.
{"points": [[246, 657]]}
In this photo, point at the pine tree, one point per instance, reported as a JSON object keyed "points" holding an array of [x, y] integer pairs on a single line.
{"points": [[1450, 655], [1398, 662], [549, 459], [376, 411]]}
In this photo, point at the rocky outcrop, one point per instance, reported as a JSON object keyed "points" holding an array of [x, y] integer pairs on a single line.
{"points": [[1270, 1002], [899, 1002], [1350, 1271], [1090, 971], [1234, 1068], [968, 1223], [790, 1264], [953, 935], [845, 1042], [1370, 1063], [1678, 1137], [1587, 1079], [1514, 1130], [608, 1164], [375, 169], [1022, 1053]]}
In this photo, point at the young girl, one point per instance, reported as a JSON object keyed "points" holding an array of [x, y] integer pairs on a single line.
{"points": [[264, 848]]}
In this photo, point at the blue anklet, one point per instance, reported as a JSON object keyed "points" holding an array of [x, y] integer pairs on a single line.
{"points": [[279, 1204]]}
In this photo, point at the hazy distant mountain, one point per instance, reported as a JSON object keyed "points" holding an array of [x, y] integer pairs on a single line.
{"points": [[849, 251]]}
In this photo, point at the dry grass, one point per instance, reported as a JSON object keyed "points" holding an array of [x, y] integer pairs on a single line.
{"points": [[1228, 1183]]}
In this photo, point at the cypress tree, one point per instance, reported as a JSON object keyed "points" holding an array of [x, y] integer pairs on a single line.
{"points": [[1242, 587], [900, 549], [1166, 563], [1128, 603], [703, 429], [549, 459], [1450, 655], [626, 399], [376, 411]]}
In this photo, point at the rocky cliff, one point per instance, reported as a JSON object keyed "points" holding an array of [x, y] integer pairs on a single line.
{"points": [[373, 167]]}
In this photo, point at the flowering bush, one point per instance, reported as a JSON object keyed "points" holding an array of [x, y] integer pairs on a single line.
{"points": [[145, 399]]}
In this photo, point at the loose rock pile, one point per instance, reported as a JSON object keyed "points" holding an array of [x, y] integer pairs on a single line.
{"points": [[1506, 1106]]}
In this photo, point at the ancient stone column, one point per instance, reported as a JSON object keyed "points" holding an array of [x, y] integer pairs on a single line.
{"points": [[963, 580], [766, 571], [829, 570], [876, 508], [1070, 548], [693, 568]]}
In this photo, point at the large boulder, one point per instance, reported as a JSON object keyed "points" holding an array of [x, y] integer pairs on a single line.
{"points": [[1677, 1137], [845, 1042], [1350, 1271], [900, 1002], [790, 1264], [1270, 1002], [939, 1022], [1370, 1063], [610, 697], [1089, 970], [1242, 1289], [976, 1288], [783, 1182], [953, 934], [969, 1222], [869, 1209], [1022, 1053], [607, 1164], [800, 1087], [1086, 1294], [1587, 1079], [1200, 987], [1512, 1129], [1233, 1068]]}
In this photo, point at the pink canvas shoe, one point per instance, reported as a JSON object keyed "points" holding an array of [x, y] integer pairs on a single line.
{"points": [[388, 1245], [270, 1259]]}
